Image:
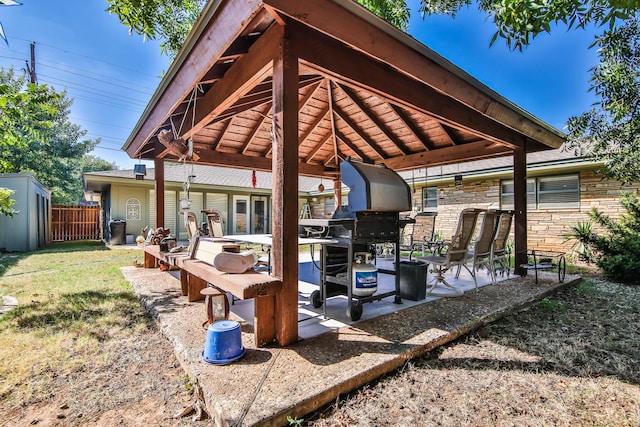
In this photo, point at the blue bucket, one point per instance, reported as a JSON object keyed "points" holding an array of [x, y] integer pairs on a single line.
{"points": [[223, 344]]}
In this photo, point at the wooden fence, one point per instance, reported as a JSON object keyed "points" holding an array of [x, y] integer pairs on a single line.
{"points": [[75, 223]]}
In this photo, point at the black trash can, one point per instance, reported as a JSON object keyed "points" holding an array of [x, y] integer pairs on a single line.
{"points": [[413, 280], [117, 229]]}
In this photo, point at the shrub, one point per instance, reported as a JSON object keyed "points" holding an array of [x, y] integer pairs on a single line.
{"points": [[617, 252]]}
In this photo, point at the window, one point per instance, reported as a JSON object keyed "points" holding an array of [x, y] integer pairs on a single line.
{"points": [[133, 209], [559, 192], [429, 197], [507, 192], [551, 192]]}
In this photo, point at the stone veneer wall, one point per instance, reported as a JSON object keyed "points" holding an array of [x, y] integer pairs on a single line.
{"points": [[545, 225]]}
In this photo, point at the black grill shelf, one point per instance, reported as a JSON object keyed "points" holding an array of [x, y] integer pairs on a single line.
{"points": [[356, 235]]}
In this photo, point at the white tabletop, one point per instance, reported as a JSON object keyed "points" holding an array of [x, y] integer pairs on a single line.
{"points": [[267, 239]]}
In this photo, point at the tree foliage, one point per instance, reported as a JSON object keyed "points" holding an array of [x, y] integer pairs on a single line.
{"points": [[6, 202], [167, 20], [37, 137], [518, 22], [610, 131], [171, 20]]}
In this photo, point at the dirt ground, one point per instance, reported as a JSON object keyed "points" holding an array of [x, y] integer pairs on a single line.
{"points": [[573, 359]]}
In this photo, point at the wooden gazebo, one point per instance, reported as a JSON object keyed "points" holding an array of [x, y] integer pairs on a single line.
{"points": [[295, 86]]}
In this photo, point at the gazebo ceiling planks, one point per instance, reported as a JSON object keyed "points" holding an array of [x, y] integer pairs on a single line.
{"points": [[365, 90]]}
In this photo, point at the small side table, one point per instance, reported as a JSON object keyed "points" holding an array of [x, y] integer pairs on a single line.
{"points": [[546, 260]]}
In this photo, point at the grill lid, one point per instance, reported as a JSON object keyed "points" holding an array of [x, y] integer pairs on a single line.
{"points": [[374, 187]]}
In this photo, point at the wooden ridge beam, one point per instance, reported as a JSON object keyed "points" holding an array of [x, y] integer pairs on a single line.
{"points": [[443, 156]]}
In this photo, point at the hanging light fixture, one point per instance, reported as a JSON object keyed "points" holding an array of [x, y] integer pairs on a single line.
{"points": [[441, 192], [321, 186]]}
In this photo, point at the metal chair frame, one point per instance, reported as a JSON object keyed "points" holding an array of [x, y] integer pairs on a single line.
{"points": [[456, 254]]}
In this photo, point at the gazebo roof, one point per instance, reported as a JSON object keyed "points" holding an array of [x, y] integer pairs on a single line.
{"points": [[366, 90]]}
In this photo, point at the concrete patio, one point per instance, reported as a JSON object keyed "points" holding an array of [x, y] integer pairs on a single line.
{"points": [[334, 355]]}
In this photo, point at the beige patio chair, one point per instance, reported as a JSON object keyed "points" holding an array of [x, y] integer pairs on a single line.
{"points": [[479, 254], [499, 250], [215, 222], [423, 234], [456, 253]]}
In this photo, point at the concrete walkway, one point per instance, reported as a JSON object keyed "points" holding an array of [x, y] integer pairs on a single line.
{"points": [[269, 384]]}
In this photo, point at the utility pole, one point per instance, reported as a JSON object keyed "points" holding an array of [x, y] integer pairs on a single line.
{"points": [[31, 69]]}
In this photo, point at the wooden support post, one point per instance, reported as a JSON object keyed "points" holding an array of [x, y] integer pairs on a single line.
{"points": [[150, 261], [195, 285], [520, 207], [264, 330], [159, 182], [285, 191], [184, 282]]}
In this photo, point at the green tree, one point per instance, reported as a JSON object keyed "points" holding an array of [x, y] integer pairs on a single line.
{"points": [[6, 202], [171, 20], [36, 136], [610, 131]]}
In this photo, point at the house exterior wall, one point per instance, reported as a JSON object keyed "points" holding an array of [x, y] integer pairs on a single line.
{"points": [[120, 193], [545, 226]]}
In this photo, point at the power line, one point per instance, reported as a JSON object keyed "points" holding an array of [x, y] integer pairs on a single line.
{"points": [[97, 91], [84, 74], [86, 56]]}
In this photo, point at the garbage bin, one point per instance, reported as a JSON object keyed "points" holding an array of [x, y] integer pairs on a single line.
{"points": [[117, 229], [413, 280]]}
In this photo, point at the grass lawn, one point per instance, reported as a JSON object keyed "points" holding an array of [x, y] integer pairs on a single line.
{"points": [[72, 300]]}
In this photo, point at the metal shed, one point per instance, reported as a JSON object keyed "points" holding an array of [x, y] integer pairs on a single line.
{"points": [[29, 229]]}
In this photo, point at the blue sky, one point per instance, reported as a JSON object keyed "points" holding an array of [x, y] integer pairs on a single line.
{"points": [[112, 75]]}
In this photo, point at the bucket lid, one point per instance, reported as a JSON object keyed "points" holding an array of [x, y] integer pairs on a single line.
{"points": [[223, 326]]}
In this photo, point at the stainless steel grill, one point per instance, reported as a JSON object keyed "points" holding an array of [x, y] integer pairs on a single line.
{"points": [[377, 195]]}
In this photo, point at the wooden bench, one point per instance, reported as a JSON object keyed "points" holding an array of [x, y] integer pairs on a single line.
{"points": [[195, 274]]}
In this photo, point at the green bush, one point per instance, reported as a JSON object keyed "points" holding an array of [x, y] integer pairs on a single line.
{"points": [[617, 252]]}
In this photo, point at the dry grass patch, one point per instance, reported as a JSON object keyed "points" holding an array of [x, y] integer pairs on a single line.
{"points": [[80, 340], [573, 359]]}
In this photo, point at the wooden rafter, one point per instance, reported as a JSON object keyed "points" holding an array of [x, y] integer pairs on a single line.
{"points": [[394, 87], [263, 118], [318, 147], [374, 119], [447, 134], [245, 73], [363, 136], [412, 127], [443, 156], [333, 119], [348, 143]]}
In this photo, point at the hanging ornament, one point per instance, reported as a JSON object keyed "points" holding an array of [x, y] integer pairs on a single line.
{"points": [[254, 179]]}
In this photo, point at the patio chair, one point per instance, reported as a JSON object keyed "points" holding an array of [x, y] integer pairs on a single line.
{"points": [[423, 234], [215, 223], [456, 253], [406, 238], [479, 254], [499, 250]]}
